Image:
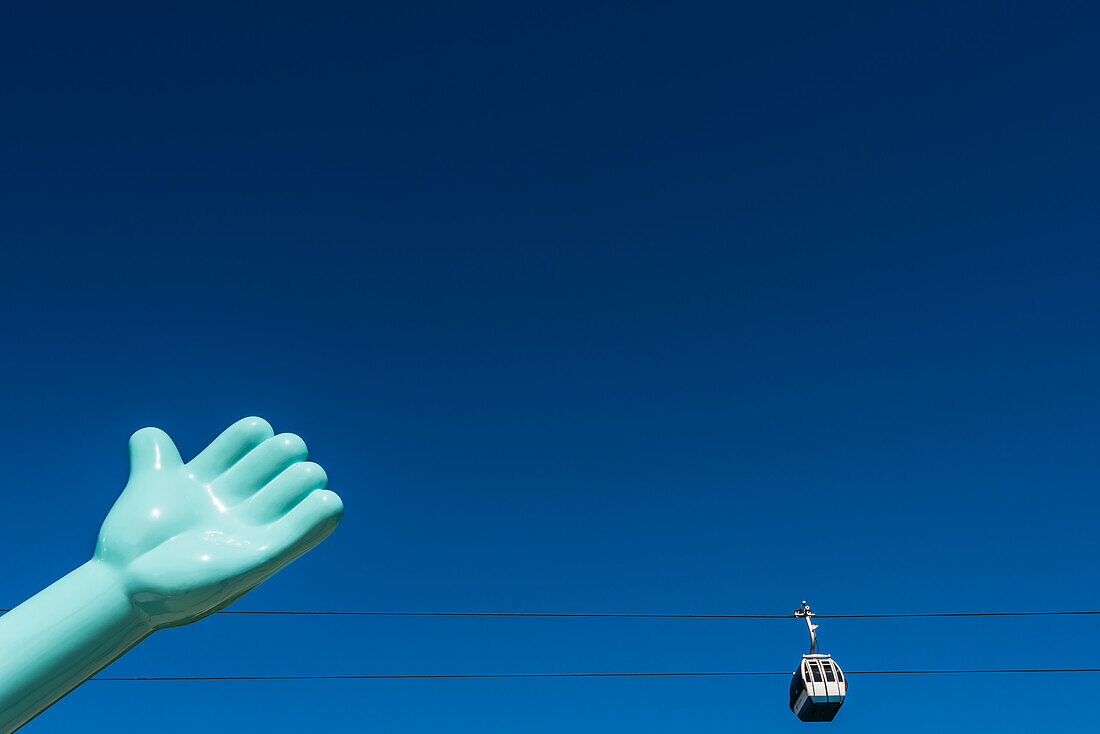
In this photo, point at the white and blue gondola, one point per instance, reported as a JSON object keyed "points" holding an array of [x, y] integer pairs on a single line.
{"points": [[818, 688]]}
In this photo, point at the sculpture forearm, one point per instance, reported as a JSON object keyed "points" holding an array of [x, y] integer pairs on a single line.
{"points": [[62, 636]]}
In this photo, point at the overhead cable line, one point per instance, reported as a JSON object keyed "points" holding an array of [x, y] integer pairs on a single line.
{"points": [[586, 675], [956, 614], [642, 615], [663, 616], [526, 614]]}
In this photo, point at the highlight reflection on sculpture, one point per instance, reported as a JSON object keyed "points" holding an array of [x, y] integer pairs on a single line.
{"points": [[182, 542]]}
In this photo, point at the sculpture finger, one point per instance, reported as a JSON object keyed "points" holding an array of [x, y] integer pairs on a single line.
{"points": [[151, 450], [260, 466], [305, 525], [230, 447], [285, 491]]}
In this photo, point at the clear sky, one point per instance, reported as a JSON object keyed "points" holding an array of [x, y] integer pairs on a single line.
{"points": [[583, 307]]}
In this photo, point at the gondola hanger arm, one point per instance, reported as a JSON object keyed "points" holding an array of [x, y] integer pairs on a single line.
{"points": [[805, 612]]}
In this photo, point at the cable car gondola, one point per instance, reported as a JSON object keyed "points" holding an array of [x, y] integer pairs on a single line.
{"points": [[818, 685]]}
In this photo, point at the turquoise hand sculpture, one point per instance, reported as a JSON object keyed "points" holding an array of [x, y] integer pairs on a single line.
{"points": [[182, 542]]}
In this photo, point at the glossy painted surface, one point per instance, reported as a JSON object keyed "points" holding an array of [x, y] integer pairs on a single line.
{"points": [[183, 541]]}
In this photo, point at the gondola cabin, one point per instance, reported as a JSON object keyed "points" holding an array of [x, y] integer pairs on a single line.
{"points": [[817, 688]]}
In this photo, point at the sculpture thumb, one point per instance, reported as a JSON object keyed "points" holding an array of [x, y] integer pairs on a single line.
{"points": [[152, 450]]}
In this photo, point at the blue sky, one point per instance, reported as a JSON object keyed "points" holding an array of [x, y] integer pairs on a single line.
{"points": [[583, 307]]}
